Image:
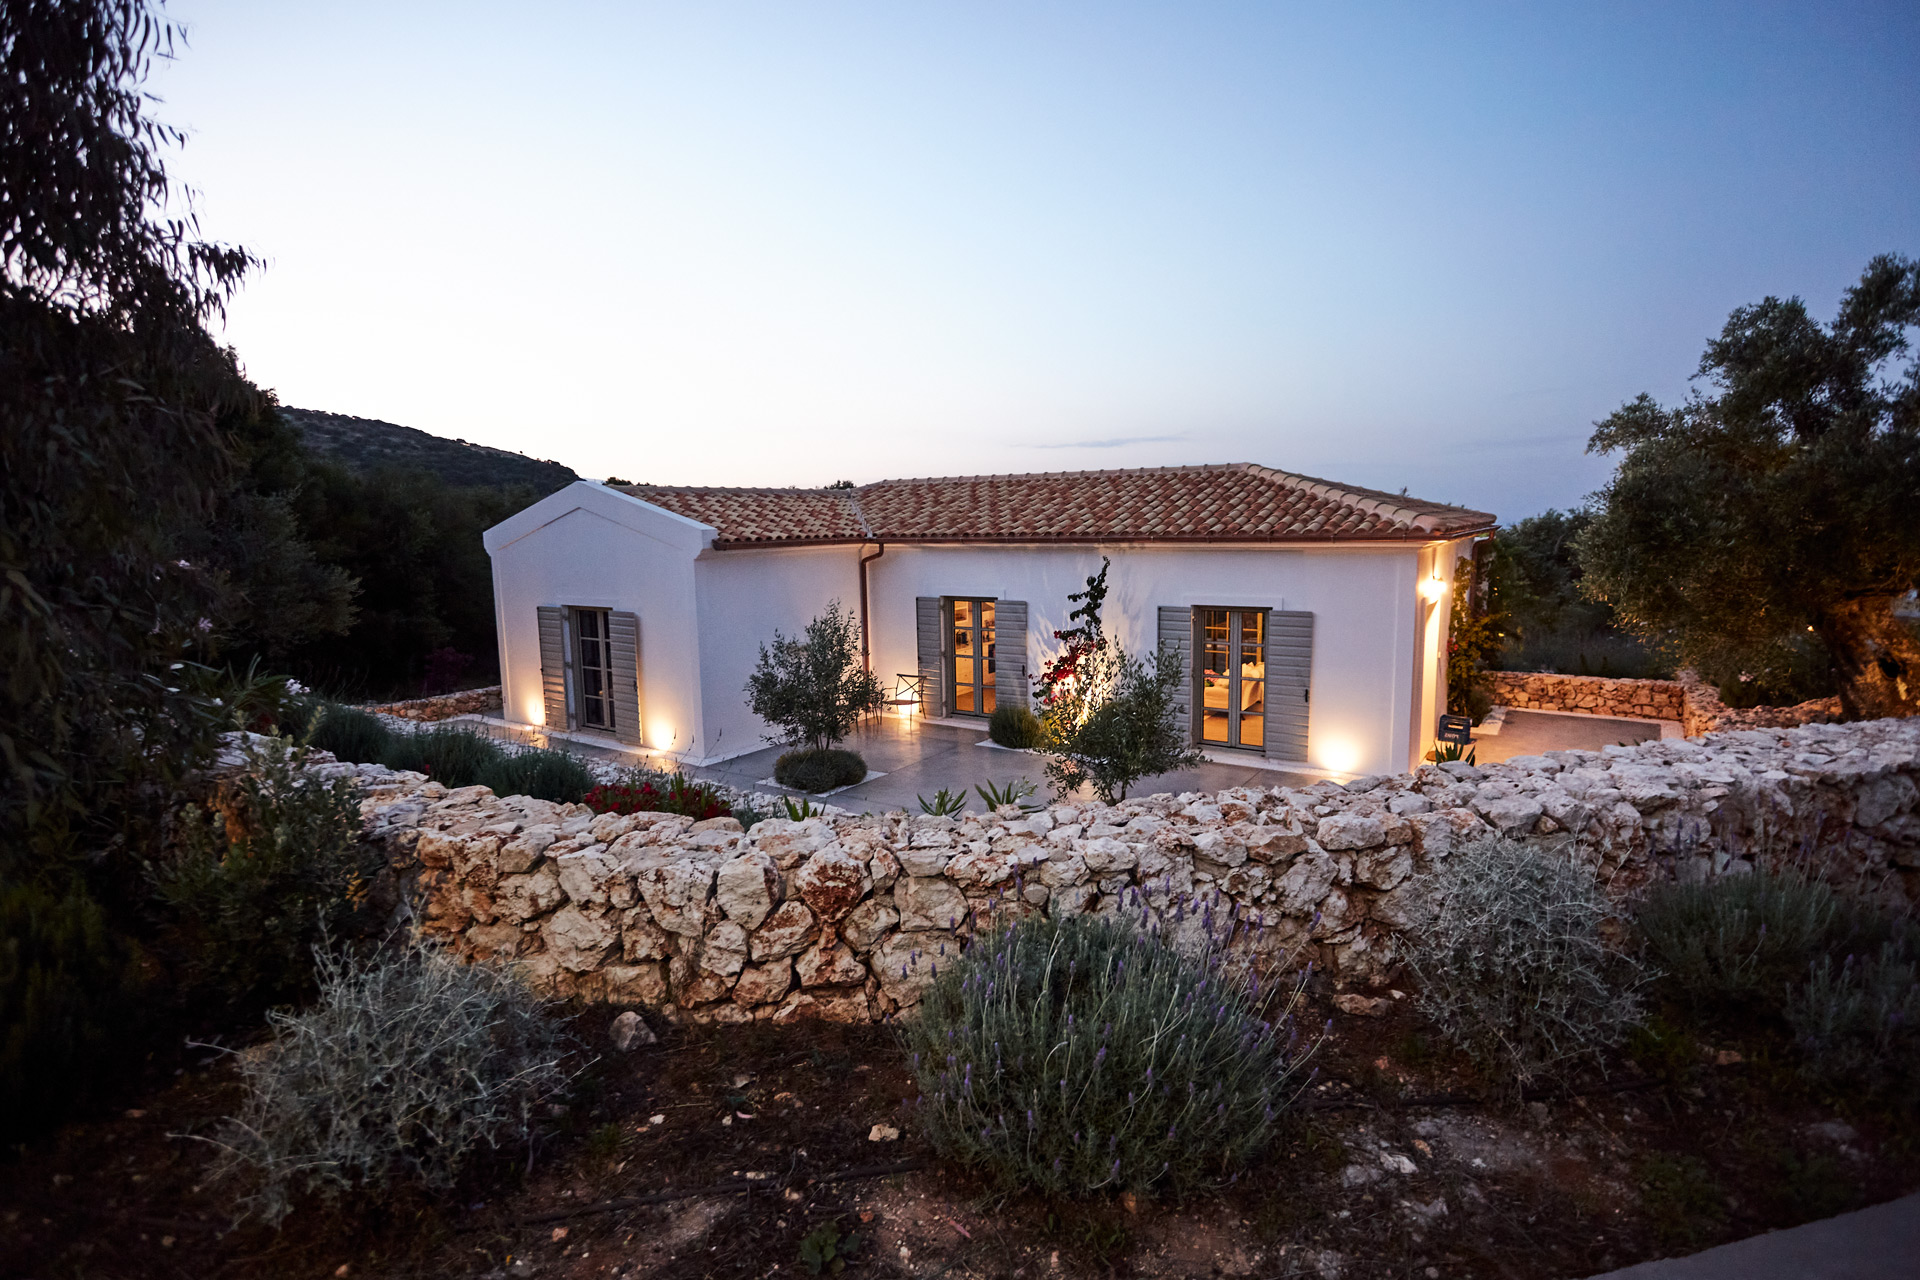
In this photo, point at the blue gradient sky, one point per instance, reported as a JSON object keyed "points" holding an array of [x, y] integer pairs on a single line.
{"points": [[730, 243]]}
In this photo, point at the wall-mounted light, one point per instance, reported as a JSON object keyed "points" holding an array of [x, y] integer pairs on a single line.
{"points": [[536, 712], [1338, 754], [1433, 589]]}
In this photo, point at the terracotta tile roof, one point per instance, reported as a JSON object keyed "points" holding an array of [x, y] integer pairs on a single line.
{"points": [[1233, 502]]}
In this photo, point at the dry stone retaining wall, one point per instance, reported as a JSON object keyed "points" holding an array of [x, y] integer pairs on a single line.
{"points": [[850, 917], [1689, 700], [445, 706]]}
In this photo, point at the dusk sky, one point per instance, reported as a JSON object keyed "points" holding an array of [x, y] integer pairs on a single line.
{"points": [[1418, 246]]}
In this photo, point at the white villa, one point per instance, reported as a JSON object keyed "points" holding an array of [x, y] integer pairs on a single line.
{"points": [[1312, 616]]}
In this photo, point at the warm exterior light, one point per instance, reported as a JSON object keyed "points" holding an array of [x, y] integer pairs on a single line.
{"points": [[1337, 754], [1432, 589], [536, 712]]}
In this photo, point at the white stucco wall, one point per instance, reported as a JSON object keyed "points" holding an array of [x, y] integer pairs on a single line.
{"points": [[594, 547], [744, 597], [1371, 690]]}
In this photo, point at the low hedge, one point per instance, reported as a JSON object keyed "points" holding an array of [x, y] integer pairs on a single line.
{"points": [[819, 769]]}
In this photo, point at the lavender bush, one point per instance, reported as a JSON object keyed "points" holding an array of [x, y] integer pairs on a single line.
{"points": [[1083, 1054]]}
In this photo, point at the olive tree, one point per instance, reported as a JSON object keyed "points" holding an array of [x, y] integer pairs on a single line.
{"points": [[814, 689], [1116, 724], [1780, 508]]}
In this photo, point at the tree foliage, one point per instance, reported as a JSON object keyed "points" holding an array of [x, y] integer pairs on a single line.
{"points": [[1115, 723], [814, 690], [118, 409], [1774, 516]]}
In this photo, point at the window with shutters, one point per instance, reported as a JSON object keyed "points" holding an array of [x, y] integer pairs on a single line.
{"points": [[593, 669]]}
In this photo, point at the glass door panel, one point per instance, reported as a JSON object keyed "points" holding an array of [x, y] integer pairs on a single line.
{"points": [[1253, 681], [984, 646], [1233, 677], [1216, 700], [966, 677]]}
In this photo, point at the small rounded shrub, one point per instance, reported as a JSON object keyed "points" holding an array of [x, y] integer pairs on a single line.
{"points": [[348, 732], [404, 1069], [450, 756], [1857, 1022], [1740, 939], [819, 769], [1081, 1055], [1513, 965], [644, 791], [544, 774], [1014, 726]]}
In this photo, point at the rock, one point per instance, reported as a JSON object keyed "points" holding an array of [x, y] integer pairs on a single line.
{"points": [[643, 984], [747, 888], [641, 938], [1349, 831], [785, 933], [1394, 1162], [1306, 883], [827, 966], [883, 1133], [1363, 1006], [765, 983], [831, 883], [676, 892], [725, 949], [867, 923], [524, 897], [580, 942], [629, 1032], [927, 902], [1358, 1175], [1383, 868]]}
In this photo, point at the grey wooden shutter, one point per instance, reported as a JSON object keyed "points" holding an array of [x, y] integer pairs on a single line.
{"points": [[553, 664], [1176, 634], [1289, 683], [929, 622], [624, 631], [1010, 688]]}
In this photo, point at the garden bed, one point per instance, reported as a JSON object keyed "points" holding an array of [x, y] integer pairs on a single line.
{"points": [[1397, 1164]]}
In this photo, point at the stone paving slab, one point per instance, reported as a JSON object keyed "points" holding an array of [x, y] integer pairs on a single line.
{"points": [[1881, 1243]]}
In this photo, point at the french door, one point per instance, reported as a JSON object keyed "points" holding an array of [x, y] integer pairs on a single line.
{"points": [[593, 666], [972, 691], [1233, 677]]}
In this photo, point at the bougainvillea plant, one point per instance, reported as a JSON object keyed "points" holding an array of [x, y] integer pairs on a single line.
{"points": [[674, 793], [1081, 641]]}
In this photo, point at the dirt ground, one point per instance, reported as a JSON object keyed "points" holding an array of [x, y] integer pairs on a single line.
{"points": [[754, 1151]]}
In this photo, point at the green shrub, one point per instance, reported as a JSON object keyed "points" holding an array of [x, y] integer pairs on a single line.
{"points": [[1115, 724], [1858, 1022], [544, 774], [348, 732], [452, 757], [1014, 726], [255, 886], [1080, 1054], [405, 1069], [1512, 963], [819, 769], [68, 989], [1740, 939], [815, 690]]}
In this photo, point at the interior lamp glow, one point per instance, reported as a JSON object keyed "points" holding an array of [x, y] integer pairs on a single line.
{"points": [[1432, 589]]}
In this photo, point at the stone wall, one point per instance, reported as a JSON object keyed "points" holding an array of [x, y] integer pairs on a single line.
{"points": [[850, 917], [1689, 700], [1592, 695], [445, 706]]}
